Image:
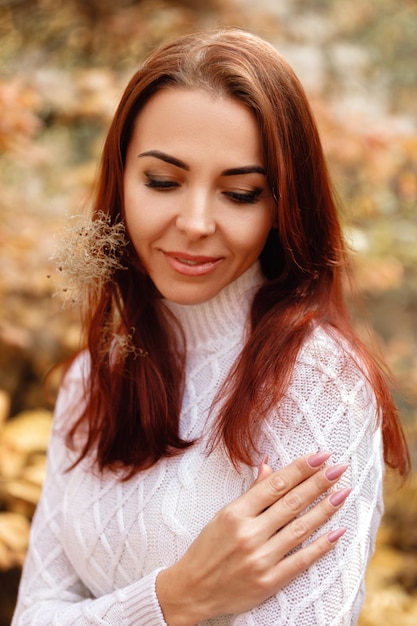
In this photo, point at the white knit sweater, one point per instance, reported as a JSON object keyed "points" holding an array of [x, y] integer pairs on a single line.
{"points": [[97, 544]]}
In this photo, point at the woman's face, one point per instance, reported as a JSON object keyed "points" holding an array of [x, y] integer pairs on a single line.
{"points": [[197, 204]]}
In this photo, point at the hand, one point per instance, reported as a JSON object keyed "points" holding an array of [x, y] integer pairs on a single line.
{"points": [[238, 560]]}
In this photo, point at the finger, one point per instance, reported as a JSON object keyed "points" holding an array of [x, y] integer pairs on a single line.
{"points": [[265, 493], [264, 470], [304, 526], [291, 566], [298, 499]]}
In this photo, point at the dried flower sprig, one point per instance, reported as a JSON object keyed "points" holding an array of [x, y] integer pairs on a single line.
{"points": [[88, 255], [125, 344]]}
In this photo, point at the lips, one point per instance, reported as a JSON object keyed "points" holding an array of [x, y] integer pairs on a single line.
{"points": [[191, 265]]}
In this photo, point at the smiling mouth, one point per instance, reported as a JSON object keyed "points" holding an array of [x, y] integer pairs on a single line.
{"points": [[189, 261], [191, 265]]}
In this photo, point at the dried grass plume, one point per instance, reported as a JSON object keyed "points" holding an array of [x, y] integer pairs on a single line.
{"points": [[87, 256]]}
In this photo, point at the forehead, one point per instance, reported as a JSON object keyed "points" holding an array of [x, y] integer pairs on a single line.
{"points": [[194, 120]]}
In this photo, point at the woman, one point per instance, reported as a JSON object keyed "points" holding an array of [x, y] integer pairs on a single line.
{"points": [[219, 342]]}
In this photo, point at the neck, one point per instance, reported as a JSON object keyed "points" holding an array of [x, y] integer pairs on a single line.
{"points": [[223, 316]]}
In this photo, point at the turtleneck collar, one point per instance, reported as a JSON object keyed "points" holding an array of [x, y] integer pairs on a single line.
{"points": [[224, 316]]}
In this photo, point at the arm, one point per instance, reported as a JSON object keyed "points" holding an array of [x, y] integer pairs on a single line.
{"points": [[51, 592], [239, 558], [329, 405]]}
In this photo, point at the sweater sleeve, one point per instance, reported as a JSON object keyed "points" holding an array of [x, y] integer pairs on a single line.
{"points": [[50, 591], [329, 406]]}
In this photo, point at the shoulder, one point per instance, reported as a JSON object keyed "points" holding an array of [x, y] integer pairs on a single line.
{"points": [[327, 356], [330, 379], [326, 346], [329, 404], [72, 393]]}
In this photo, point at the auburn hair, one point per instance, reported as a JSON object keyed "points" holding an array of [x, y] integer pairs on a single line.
{"points": [[132, 402]]}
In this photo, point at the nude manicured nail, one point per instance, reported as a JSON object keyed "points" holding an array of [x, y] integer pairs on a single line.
{"points": [[315, 460], [335, 471], [338, 497], [334, 535]]}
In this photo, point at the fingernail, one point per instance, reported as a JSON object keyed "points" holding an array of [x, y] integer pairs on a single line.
{"points": [[315, 460], [335, 471], [338, 497], [334, 535]]}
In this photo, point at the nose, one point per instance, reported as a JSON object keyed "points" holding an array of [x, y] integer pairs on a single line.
{"points": [[195, 217]]}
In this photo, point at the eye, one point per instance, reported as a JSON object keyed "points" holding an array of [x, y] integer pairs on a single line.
{"points": [[159, 183], [247, 197]]}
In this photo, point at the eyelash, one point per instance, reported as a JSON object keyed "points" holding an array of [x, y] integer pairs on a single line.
{"points": [[250, 197], [153, 183]]}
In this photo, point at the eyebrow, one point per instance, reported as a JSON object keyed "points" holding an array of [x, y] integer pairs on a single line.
{"points": [[234, 171], [165, 157]]}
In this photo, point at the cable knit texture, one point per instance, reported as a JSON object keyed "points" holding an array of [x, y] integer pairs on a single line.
{"points": [[98, 544]]}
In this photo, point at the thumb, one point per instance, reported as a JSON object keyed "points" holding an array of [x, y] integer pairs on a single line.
{"points": [[264, 470]]}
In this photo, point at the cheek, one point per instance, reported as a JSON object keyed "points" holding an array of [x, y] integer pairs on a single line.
{"points": [[138, 229], [145, 216], [141, 222], [250, 235]]}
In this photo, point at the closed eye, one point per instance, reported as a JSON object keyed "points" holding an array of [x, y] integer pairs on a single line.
{"points": [[247, 197], [160, 184]]}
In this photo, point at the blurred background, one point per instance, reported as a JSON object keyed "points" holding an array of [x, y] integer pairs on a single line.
{"points": [[63, 66]]}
